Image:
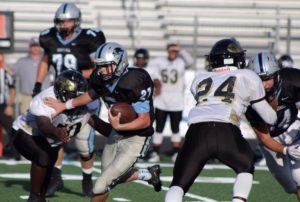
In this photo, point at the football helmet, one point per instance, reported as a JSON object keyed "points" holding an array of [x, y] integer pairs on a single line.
{"points": [[141, 53], [264, 65], [226, 52], [111, 53], [67, 11], [285, 61], [69, 84]]}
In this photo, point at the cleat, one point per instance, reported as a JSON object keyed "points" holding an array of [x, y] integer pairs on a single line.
{"points": [[36, 198], [154, 158], [155, 180], [87, 185], [56, 182]]}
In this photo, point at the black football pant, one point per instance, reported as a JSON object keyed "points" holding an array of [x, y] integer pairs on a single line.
{"points": [[161, 118], [208, 140]]}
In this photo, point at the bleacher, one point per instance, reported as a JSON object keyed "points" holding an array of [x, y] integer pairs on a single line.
{"points": [[257, 24]]}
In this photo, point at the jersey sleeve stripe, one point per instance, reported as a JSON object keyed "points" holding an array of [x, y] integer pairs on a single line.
{"points": [[255, 101]]}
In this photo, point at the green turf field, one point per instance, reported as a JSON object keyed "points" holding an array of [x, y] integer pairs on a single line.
{"points": [[214, 184]]}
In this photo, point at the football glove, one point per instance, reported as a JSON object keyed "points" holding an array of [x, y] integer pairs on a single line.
{"points": [[292, 151], [37, 88], [291, 134]]}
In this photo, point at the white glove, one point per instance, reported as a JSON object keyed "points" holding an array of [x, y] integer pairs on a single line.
{"points": [[292, 151], [291, 134]]}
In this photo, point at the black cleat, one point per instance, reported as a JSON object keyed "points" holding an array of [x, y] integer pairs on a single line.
{"points": [[155, 180], [36, 198], [56, 182], [87, 185]]}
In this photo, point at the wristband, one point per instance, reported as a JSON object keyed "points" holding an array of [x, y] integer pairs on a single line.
{"points": [[69, 104], [284, 151]]}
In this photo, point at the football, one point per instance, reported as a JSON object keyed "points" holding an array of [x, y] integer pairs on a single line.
{"points": [[127, 112]]}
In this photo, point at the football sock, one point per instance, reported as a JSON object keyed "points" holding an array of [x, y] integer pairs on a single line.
{"points": [[175, 194], [242, 187], [87, 170], [144, 174], [58, 167]]}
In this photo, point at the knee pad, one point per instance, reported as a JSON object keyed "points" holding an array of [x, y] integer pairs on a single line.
{"points": [[176, 138], [157, 138], [86, 157], [43, 159]]}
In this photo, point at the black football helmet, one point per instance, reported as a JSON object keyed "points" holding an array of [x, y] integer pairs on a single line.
{"points": [[69, 84], [226, 52], [285, 61], [142, 53]]}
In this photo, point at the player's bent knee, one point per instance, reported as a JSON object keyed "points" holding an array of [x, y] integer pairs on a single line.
{"points": [[86, 157], [43, 160]]}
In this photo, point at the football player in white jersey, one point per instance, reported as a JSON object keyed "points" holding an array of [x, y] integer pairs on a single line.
{"points": [[170, 99], [42, 131], [68, 46], [282, 87], [222, 97]]}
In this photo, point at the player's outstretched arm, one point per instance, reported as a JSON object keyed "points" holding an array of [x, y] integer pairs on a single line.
{"points": [[99, 125]]}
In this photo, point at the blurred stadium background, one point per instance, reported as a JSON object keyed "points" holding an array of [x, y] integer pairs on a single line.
{"points": [[271, 25]]}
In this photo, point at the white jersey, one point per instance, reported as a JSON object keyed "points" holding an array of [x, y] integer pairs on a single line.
{"points": [[171, 75], [74, 119], [225, 96]]}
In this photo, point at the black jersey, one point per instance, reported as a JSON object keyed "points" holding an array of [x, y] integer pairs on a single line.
{"points": [[73, 53], [287, 94], [134, 86]]}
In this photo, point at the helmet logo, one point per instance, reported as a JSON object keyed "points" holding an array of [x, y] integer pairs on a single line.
{"points": [[118, 53], [68, 85], [233, 48]]}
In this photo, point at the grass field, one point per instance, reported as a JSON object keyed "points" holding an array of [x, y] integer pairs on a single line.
{"points": [[214, 184]]}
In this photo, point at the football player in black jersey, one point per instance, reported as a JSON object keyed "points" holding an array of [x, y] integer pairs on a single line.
{"points": [[113, 81], [69, 47], [283, 93]]}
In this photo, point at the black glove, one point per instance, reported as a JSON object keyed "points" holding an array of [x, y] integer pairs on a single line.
{"points": [[37, 88]]}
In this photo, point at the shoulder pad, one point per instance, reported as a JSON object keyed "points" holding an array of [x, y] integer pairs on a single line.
{"points": [[45, 32]]}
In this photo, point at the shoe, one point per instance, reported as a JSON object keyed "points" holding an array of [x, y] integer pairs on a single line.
{"points": [[36, 198], [56, 182], [87, 185], [174, 157], [154, 158], [155, 180]]}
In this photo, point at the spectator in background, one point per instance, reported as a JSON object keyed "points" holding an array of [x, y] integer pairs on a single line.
{"points": [[7, 101], [285, 61], [170, 100], [25, 70]]}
